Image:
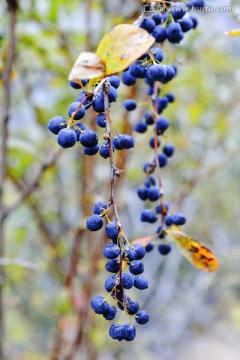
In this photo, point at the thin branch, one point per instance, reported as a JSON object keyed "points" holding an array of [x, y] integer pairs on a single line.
{"points": [[30, 187]]}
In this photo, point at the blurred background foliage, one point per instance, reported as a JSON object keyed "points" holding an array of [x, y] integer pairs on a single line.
{"points": [[193, 315]]}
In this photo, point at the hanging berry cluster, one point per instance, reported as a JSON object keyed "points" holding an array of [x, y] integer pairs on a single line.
{"points": [[123, 258]]}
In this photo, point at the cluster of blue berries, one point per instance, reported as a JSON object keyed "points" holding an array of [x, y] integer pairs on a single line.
{"points": [[124, 264]]}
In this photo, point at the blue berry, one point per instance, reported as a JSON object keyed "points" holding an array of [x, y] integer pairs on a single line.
{"points": [[111, 251], [162, 124], [148, 216], [178, 10], [110, 283], [174, 33], [142, 193], [99, 305], [111, 313], [140, 282], [160, 232], [150, 181], [162, 208], [91, 151], [153, 193], [170, 73], [112, 266], [149, 247], [127, 141], [127, 280], [137, 253], [148, 24], [132, 306], [78, 132], [130, 332], [169, 221], [79, 114], [163, 160], [152, 142], [112, 230], [105, 150], [194, 20], [157, 54], [67, 138], [158, 18], [179, 219], [170, 96], [99, 207], [88, 102], [117, 332], [159, 33], [98, 104], [117, 143], [196, 3], [56, 124], [168, 150], [112, 94], [94, 223], [88, 138], [156, 72], [149, 118], [142, 317], [128, 79], [186, 24], [140, 127], [137, 70], [101, 120], [130, 104], [150, 90], [115, 81], [164, 249], [136, 267]]}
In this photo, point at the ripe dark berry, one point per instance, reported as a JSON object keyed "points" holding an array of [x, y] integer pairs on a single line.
{"points": [[112, 94], [91, 151], [115, 81], [140, 127], [153, 193], [186, 24], [150, 181], [117, 332], [158, 18], [128, 79], [148, 24], [162, 124], [99, 305], [112, 230], [148, 167], [110, 283], [94, 223], [162, 208], [194, 20], [140, 282], [149, 247], [157, 54], [104, 150], [142, 317], [131, 306], [174, 33], [127, 280], [130, 332], [156, 72], [168, 150], [179, 219], [99, 207], [130, 104], [56, 124], [170, 96], [136, 267], [137, 253], [178, 10], [101, 120], [78, 132], [164, 249], [88, 138], [159, 33], [111, 313], [98, 104], [148, 216], [111, 251], [80, 112], [112, 266], [163, 160], [127, 141], [137, 70], [149, 118], [67, 138], [169, 221], [117, 143], [142, 193], [170, 73]]}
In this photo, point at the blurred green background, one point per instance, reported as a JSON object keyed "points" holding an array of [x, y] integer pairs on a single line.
{"points": [[194, 316]]}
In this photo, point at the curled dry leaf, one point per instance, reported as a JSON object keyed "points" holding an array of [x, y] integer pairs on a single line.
{"points": [[145, 241], [87, 66], [198, 255]]}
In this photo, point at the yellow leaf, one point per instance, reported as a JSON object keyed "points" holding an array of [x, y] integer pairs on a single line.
{"points": [[198, 255], [233, 32], [87, 66], [122, 46]]}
